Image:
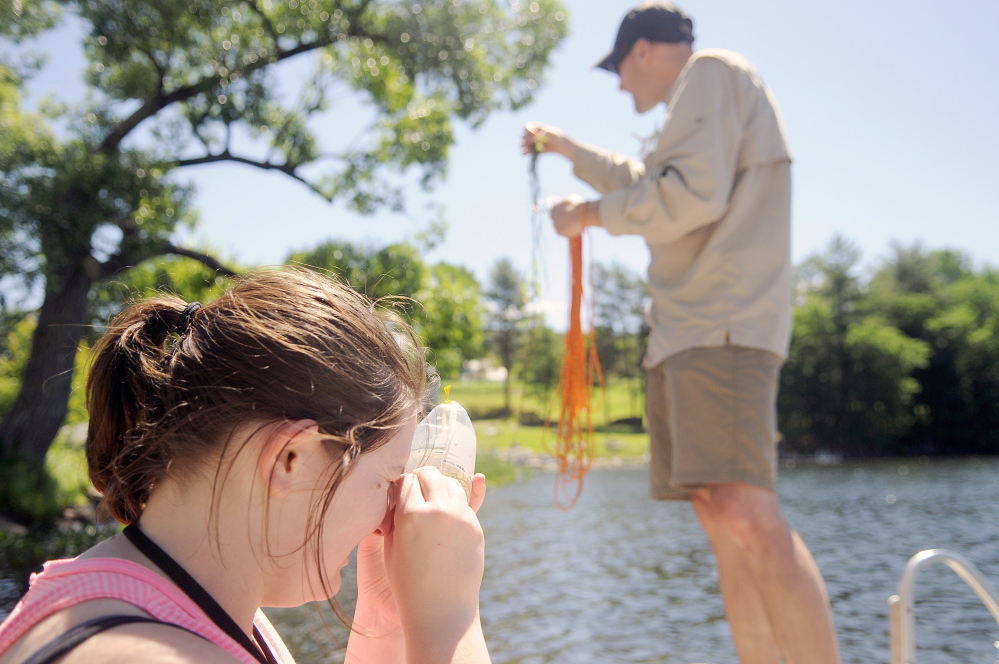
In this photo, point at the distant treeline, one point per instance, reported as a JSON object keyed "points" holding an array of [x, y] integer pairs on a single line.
{"points": [[903, 362]]}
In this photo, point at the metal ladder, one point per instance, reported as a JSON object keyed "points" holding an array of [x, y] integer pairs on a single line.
{"points": [[901, 606]]}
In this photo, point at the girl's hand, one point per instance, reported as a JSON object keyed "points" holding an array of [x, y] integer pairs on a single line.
{"points": [[434, 554], [377, 613]]}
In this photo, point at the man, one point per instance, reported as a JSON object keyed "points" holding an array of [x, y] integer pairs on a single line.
{"points": [[713, 202]]}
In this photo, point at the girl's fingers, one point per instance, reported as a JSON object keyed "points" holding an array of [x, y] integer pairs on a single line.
{"points": [[478, 492], [430, 482], [435, 487], [408, 490]]}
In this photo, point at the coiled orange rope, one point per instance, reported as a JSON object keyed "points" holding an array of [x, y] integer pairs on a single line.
{"points": [[574, 445]]}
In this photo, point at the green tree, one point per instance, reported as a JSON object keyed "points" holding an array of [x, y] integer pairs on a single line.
{"points": [[541, 362], [16, 346], [392, 271], [810, 379], [453, 329], [20, 19], [174, 84], [938, 298], [880, 387], [848, 382], [507, 297], [963, 414], [620, 331], [440, 301], [830, 277], [906, 363]]}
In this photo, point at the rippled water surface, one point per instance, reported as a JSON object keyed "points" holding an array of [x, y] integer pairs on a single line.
{"points": [[624, 579]]}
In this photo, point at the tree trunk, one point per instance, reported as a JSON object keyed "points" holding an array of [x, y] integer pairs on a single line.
{"points": [[31, 424], [506, 350]]}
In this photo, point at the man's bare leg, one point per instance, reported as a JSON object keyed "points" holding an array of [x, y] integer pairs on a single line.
{"points": [[787, 580], [754, 640]]}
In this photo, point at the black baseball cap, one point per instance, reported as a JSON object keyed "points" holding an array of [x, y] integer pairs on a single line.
{"points": [[657, 21]]}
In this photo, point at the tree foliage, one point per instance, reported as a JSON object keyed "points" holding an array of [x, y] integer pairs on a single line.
{"points": [[180, 83], [454, 312], [20, 19], [906, 363], [619, 300], [440, 301], [506, 294], [957, 315], [620, 296], [541, 358]]}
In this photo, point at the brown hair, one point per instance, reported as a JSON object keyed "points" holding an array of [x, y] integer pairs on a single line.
{"points": [[278, 346]]}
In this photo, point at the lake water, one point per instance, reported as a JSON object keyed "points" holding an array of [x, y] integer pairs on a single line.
{"points": [[623, 579]]}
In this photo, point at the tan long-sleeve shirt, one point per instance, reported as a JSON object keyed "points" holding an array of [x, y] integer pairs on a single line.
{"points": [[713, 202]]}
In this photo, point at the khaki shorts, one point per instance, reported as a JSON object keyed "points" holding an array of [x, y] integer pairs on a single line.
{"points": [[712, 418]]}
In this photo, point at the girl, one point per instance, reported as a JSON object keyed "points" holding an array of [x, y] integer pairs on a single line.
{"points": [[250, 445]]}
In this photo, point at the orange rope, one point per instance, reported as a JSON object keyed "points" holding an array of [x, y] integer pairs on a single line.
{"points": [[574, 440]]}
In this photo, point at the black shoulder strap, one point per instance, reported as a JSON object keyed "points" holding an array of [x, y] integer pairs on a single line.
{"points": [[63, 643], [201, 597]]}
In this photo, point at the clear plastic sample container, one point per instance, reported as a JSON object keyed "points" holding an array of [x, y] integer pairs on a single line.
{"points": [[445, 440]]}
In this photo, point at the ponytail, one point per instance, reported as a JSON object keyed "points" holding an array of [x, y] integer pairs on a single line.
{"points": [[125, 390]]}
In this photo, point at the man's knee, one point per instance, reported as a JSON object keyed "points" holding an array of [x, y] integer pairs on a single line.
{"points": [[749, 515]]}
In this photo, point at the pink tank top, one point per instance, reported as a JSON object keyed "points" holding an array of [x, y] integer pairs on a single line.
{"points": [[65, 583]]}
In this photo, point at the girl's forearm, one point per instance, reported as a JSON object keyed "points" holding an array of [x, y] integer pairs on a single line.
{"points": [[463, 645], [373, 641]]}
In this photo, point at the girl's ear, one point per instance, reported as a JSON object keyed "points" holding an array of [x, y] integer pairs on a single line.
{"points": [[289, 456]]}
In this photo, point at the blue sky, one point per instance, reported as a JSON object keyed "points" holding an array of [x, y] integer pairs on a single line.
{"points": [[890, 108]]}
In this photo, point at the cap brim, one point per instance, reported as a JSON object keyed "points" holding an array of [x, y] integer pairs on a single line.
{"points": [[615, 57], [609, 63]]}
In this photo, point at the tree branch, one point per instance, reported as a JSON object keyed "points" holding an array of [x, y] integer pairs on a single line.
{"points": [[124, 259], [267, 23], [150, 108], [160, 71], [160, 101], [120, 260], [287, 169], [361, 8], [204, 259]]}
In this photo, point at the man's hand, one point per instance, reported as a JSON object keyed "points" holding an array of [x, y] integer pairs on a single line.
{"points": [[546, 138], [572, 215]]}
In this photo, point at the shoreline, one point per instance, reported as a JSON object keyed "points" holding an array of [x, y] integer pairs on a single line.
{"points": [[524, 457]]}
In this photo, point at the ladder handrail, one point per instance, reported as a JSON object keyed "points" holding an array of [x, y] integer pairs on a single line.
{"points": [[901, 606]]}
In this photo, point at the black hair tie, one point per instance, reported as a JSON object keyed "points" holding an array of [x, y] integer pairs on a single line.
{"points": [[184, 321]]}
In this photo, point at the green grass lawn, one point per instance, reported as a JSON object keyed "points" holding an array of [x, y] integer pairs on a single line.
{"points": [[485, 401], [495, 435]]}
